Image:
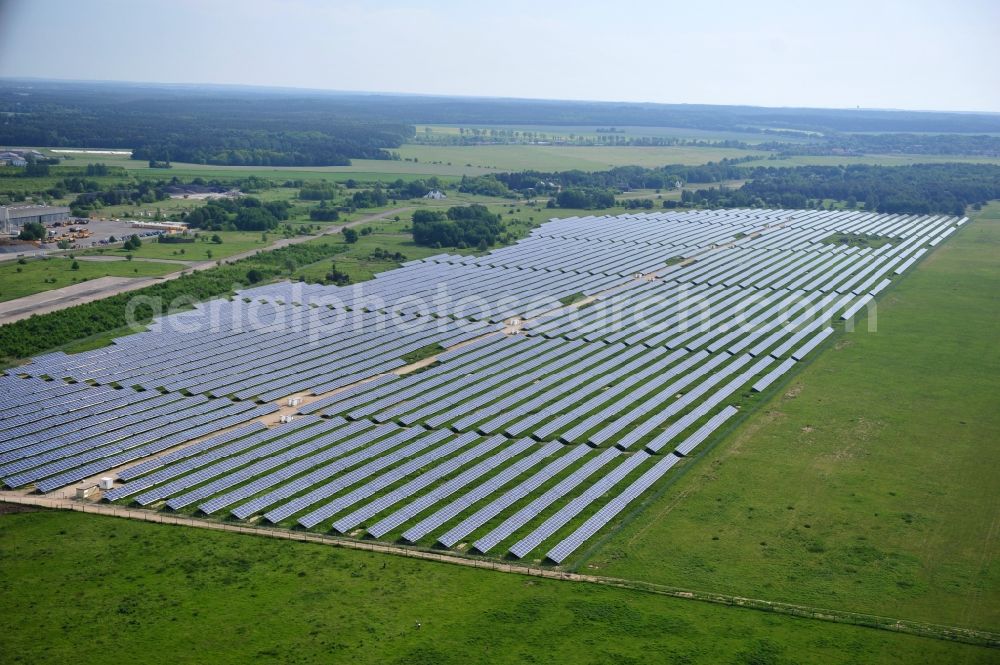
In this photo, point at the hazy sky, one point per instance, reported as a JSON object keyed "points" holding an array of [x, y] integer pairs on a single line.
{"points": [[913, 54]]}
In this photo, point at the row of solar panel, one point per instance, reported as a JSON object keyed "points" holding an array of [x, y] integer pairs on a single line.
{"points": [[385, 478]]}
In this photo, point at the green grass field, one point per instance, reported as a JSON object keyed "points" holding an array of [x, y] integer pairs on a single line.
{"points": [[17, 281], [70, 582], [590, 131], [166, 207], [565, 158], [233, 242], [356, 260], [869, 483]]}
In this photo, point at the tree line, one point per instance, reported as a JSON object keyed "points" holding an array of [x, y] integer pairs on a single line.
{"points": [[623, 178], [915, 189]]}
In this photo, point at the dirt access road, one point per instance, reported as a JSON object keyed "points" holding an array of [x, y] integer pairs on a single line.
{"points": [[84, 292]]}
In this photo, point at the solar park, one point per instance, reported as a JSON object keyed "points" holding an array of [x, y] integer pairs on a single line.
{"points": [[568, 376]]}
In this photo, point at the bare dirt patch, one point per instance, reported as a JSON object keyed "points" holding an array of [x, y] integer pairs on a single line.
{"points": [[13, 508], [794, 391]]}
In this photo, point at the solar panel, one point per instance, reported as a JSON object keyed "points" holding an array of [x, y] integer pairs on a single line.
{"points": [[599, 519], [530, 511], [498, 505], [522, 547], [387, 524]]}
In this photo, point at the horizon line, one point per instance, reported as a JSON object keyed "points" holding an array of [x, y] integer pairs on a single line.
{"points": [[336, 91]]}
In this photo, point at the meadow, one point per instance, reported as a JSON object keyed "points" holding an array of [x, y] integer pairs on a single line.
{"points": [[590, 132], [867, 483], [202, 249], [357, 259], [36, 275], [147, 211], [189, 595], [564, 158]]}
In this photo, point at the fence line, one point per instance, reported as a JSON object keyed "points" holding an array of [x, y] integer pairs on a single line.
{"points": [[923, 629]]}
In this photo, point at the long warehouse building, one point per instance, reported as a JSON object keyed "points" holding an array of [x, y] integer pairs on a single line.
{"points": [[13, 218]]}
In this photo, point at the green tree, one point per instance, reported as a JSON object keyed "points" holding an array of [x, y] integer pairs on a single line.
{"points": [[255, 219], [350, 235], [36, 170], [254, 276], [33, 231]]}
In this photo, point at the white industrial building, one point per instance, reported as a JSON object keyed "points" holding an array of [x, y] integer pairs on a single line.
{"points": [[12, 218]]}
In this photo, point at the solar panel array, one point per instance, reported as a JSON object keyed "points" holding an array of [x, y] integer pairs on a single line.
{"points": [[636, 339], [82, 431]]}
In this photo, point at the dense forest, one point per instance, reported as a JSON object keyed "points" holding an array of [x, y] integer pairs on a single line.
{"points": [[417, 109], [917, 189], [166, 124], [968, 145]]}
